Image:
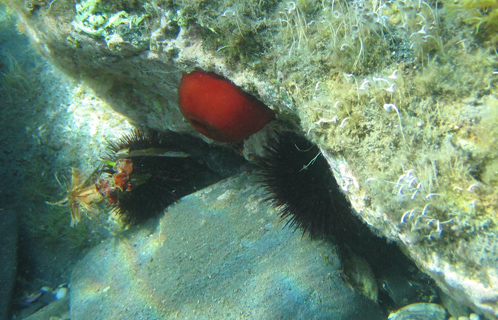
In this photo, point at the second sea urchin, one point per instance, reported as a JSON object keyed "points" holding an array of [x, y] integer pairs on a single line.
{"points": [[299, 182], [145, 172]]}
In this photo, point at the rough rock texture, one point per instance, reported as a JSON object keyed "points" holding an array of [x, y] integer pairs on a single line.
{"points": [[219, 253], [58, 309], [400, 96], [419, 311], [8, 252]]}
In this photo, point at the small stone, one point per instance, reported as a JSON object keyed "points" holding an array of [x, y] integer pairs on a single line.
{"points": [[419, 311], [474, 316], [46, 289], [60, 293]]}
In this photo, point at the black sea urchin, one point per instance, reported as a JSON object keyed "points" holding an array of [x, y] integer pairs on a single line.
{"points": [[300, 183], [145, 172]]}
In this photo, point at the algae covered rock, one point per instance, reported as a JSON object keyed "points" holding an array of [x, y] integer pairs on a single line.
{"points": [[219, 253], [400, 96]]}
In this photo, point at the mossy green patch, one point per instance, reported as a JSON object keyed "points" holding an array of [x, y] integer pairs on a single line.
{"points": [[420, 133], [482, 14]]}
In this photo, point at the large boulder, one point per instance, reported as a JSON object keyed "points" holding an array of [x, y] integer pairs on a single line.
{"points": [[220, 253]]}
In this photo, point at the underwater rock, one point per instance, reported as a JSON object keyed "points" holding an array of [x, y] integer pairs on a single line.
{"points": [[58, 309], [8, 252], [220, 253], [400, 97], [419, 311]]}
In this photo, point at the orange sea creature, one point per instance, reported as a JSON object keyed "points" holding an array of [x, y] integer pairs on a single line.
{"points": [[82, 195]]}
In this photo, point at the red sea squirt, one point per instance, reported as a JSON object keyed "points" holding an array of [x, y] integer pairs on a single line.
{"points": [[219, 109]]}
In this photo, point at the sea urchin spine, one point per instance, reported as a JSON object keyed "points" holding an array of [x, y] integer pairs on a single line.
{"points": [[301, 185], [145, 172]]}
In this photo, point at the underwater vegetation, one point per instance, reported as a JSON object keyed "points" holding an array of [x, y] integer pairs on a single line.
{"points": [[482, 14], [16, 79]]}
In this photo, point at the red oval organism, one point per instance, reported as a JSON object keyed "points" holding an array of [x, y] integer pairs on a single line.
{"points": [[219, 109]]}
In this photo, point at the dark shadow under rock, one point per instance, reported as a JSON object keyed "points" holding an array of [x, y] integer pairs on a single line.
{"points": [[8, 262]]}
